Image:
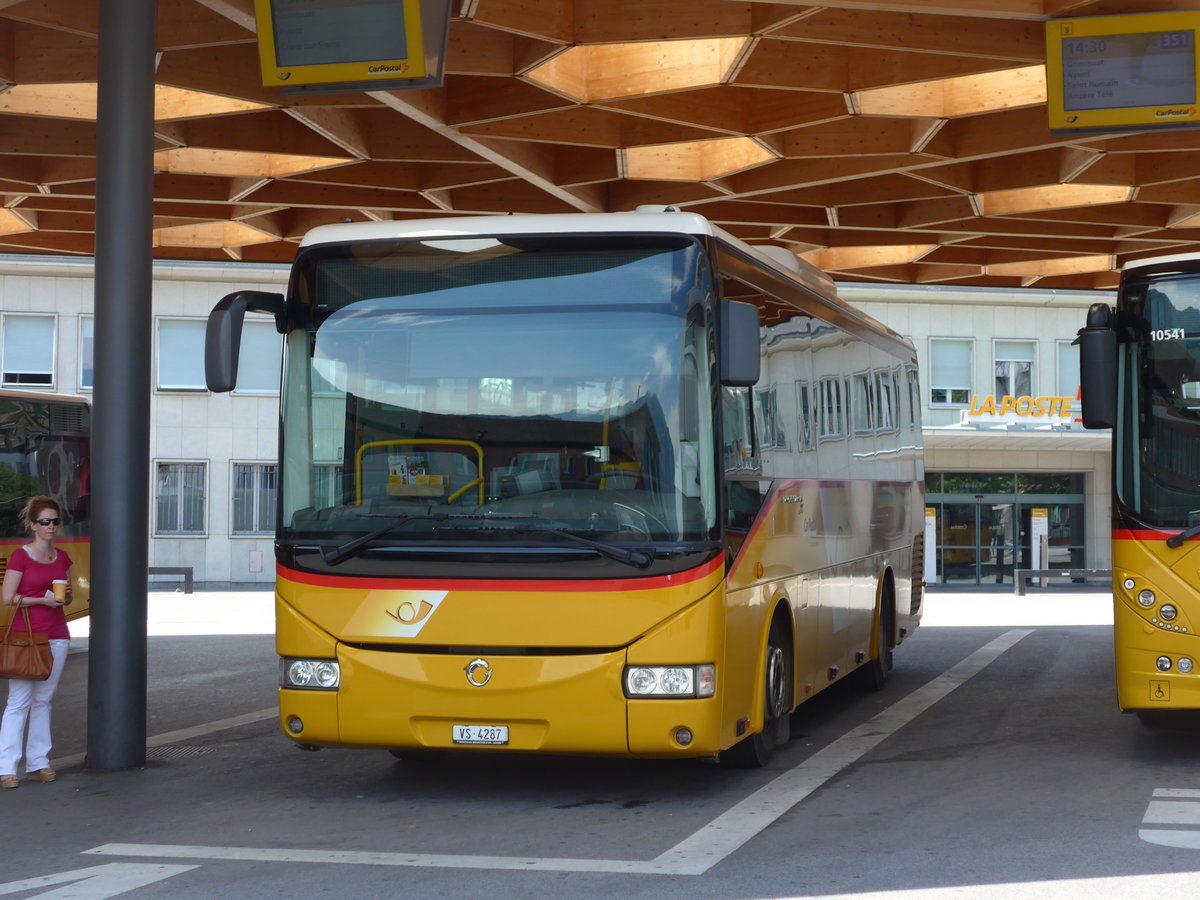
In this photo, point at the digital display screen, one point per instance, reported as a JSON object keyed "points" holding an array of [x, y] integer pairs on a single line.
{"points": [[328, 32], [1115, 71]]}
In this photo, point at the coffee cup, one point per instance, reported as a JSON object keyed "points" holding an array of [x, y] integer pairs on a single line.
{"points": [[60, 590]]}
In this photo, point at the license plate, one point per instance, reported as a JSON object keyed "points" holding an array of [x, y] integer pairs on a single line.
{"points": [[481, 734]]}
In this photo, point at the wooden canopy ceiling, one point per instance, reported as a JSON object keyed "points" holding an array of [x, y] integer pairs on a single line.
{"points": [[901, 141]]}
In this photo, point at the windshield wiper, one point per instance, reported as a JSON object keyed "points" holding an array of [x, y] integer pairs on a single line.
{"points": [[638, 558], [1190, 532], [336, 555]]}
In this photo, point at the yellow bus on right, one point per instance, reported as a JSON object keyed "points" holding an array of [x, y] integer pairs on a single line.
{"points": [[1140, 372]]}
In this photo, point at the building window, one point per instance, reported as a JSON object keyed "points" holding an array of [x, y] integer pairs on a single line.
{"points": [[887, 409], [804, 413], [1014, 368], [255, 489], [949, 372], [1068, 369], [770, 424], [87, 365], [179, 499], [829, 410], [259, 359], [914, 398], [327, 485], [862, 407], [28, 351], [180, 363]]}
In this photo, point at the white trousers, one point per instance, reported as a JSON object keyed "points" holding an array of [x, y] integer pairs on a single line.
{"points": [[29, 703]]}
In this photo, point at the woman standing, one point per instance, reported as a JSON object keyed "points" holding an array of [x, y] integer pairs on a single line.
{"points": [[29, 582]]}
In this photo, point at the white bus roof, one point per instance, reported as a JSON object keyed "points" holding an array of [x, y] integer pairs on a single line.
{"points": [[487, 226], [653, 219], [644, 220], [1159, 260]]}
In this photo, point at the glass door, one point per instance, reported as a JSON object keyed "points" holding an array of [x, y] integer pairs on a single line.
{"points": [[958, 543], [997, 555]]}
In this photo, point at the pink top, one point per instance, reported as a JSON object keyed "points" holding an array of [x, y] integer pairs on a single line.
{"points": [[36, 579]]}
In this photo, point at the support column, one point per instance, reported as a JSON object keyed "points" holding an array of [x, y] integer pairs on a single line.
{"points": [[116, 735]]}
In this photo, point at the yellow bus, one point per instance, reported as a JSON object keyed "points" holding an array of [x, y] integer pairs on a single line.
{"points": [[45, 449], [1140, 370], [604, 484]]}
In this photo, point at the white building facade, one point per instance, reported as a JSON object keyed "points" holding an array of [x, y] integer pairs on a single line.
{"points": [[213, 456], [1005, 458]]}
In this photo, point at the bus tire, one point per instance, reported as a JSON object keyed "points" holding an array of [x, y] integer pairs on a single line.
{"points": [[873, 676], [755, 751]]}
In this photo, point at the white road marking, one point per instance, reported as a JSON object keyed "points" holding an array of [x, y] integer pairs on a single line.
{"points": [[1183, 839], [1182, 809], [694, 855], [1172, 812], [96, 882], [182, 734], [1157, 886], [1177, 792], [369, 858]]}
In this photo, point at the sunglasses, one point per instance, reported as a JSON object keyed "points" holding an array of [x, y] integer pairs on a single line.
{"points": [[45, 522]]}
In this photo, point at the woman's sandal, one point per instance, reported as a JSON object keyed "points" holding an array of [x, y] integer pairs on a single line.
{"points": [[8, 782], [45, 776]]}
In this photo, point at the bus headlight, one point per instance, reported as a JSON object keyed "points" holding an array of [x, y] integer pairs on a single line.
{"points": [[310, 674], [1146, 598], [1168, 613], [670, 681], [1163, 663], [1185, 665]]}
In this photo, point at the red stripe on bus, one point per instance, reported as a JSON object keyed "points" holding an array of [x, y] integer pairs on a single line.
{"points": [[1146, 534], [526, 585]]}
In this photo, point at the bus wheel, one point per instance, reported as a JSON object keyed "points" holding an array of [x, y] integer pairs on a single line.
{"points": [[874, 674], [755, 751]]}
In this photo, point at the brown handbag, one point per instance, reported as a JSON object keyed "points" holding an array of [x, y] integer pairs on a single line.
{"points": [[25, 654]]}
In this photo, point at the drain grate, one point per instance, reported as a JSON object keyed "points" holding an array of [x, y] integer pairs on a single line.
{"points": [[177, 751]]}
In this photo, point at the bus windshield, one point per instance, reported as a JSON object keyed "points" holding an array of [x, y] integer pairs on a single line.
{"points": [[1158, 446], [470, 389]]}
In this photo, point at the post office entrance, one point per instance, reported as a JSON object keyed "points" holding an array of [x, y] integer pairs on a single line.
{"points": [[983, 523]]}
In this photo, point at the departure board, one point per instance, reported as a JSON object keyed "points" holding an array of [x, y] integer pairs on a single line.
{"points": [[323, 46], [1118, 70], [324, 32], [1122, 73]]}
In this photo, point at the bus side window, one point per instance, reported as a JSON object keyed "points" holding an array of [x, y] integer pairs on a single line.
{"points": [[737, 424]]}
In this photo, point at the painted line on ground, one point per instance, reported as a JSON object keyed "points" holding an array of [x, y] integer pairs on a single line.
{"points": [[96, 882], [1153, 886], [181, 734], [697, 853], [1181, 807]]}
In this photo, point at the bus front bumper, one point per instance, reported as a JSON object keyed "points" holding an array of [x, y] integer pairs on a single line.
{"points": [[554, 703]]}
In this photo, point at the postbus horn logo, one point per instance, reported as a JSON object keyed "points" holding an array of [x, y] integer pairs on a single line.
{"points": [[409, 613]]}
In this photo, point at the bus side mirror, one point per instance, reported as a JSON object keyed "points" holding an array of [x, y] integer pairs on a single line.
{"points": [[223, 335], [1098, 367], [740, 358]]}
